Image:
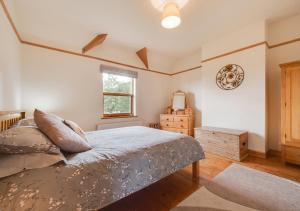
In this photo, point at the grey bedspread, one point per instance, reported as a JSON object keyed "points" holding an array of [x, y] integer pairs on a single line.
{"points": [[122, 161]]}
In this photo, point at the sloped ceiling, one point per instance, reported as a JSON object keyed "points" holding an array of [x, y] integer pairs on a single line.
{"points": [[136, 24]]}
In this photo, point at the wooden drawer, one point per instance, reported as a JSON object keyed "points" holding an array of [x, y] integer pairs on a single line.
{"points": [[165, 124], [181, 125], [175, 130], [177, 123], [167, 129], [182, 131], [184, 119], [166, 118]]}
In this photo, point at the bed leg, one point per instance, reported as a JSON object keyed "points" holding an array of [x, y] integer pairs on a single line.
{"points": [[196, 172]]}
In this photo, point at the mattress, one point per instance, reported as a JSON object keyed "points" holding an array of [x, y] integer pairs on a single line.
{"points": [[121, 161]]}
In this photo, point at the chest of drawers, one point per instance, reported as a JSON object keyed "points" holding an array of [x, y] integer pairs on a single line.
{"points": [[229, 143], [183, 124]]}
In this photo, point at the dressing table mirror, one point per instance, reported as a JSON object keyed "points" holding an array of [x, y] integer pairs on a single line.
{"points": [[179, 116], [179, 101]]}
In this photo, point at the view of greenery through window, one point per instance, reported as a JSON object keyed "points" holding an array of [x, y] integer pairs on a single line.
{"points": [[117, 84]]}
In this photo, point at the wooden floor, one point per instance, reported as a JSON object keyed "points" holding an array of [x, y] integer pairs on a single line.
{"points": [[168, 192]]}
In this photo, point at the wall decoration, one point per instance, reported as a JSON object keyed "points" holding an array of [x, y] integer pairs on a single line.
{"points": [[230, 77]]}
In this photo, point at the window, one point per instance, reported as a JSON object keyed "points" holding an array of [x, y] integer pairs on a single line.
{"points": [[118, 92]]}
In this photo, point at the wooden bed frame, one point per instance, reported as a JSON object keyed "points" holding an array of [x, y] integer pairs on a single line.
{"points": [[9, 118]]}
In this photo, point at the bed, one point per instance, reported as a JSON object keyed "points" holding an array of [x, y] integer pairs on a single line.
{"points": [[121, 162]]}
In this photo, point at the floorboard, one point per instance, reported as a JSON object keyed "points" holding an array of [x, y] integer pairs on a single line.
{"points": [[167, 193]]}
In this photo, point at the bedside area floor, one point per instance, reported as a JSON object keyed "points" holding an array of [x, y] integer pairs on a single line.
{"points": [[167, 193]]}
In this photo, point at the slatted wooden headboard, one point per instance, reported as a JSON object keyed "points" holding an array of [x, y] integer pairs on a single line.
{"points": [[8, 118]]}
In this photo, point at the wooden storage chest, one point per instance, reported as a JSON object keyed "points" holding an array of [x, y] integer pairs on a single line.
{"points": [[229, 143]]}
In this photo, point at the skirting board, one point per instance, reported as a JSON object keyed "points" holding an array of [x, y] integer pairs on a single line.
{"points": [[257, 154], [264, 155]]}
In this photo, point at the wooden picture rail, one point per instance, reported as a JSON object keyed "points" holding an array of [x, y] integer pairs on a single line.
{"points": [[235, 51], [146, 63]]}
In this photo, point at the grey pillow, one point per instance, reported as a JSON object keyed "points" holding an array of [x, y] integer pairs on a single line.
{"points": [[12, 164], [59, 133], [26, 140], [75, 127]]}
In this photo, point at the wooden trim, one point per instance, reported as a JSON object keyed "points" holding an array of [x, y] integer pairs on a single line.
{"points": [[282, 105], [235, 51], [91, 57], [154, 71], [132, 66], [10, 20], [98, 40], [274, 153], [68, 51], [238, 50], [290, 64], [117, 94], [186, 70], [142, 54], [257, 154], [284, 43], [12, 112], [118, 117]]}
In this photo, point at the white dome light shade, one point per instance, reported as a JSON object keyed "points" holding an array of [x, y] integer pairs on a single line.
{"points": [[171, 16], [171, 22]]}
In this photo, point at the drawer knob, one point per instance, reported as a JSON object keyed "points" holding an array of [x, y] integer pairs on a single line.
{"points": [[181, 126], [167, 124], [181, 120], [244, 144], [167, 119]]}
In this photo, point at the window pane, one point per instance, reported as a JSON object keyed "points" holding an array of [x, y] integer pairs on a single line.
{"points": [[116, 83], [117, 104]]}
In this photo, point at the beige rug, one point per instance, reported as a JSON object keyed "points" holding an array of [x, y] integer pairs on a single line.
{"points": [[245, 189]]}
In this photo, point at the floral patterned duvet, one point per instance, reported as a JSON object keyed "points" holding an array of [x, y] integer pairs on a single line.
{"points": [[122, 161]]}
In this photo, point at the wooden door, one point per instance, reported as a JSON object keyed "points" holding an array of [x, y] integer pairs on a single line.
{"points": [[291, 104]]}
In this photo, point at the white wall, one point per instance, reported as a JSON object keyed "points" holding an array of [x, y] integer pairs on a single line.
{"points": [[243, 108], [71, 86], [190, 82], [9, 66], [281, 31]]}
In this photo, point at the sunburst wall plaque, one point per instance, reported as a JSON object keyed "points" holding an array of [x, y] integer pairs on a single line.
{"points": [[230, 77]]}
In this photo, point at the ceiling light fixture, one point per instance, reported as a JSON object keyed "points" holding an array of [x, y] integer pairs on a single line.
{"points": [[171, 11], [171, 16]]}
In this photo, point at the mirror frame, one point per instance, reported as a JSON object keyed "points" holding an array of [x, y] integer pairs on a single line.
{"points": [[185, 100]]}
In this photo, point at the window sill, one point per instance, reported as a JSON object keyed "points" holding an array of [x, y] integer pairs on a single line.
{"points": [[118, 117]]}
